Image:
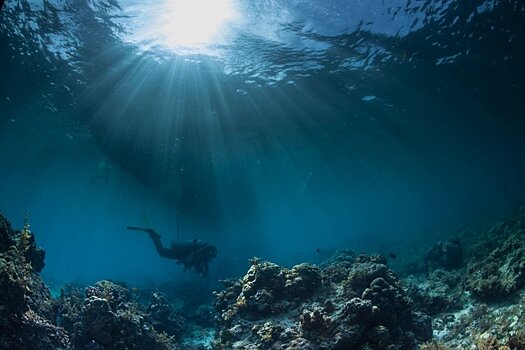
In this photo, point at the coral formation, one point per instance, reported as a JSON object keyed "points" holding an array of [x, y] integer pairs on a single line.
{"points": [[25, 302], [472, 286], [480, 326], [501, 273], [106, 315], [437, 292], [317, 308], [102, 316], [484, 309], [447, 255]]}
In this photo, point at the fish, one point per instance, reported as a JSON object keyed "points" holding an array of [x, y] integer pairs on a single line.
{"points": [[392, 255]]}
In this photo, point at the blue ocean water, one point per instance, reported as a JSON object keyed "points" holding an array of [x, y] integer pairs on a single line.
{"points": [[279, 129]]}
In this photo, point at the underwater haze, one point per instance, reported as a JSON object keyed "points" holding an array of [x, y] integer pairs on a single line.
{"points": [[283, 129]]}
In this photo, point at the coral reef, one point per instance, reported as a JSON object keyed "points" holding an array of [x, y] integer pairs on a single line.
{"points": [[471, 285], [484, 309], [492, 263], [106, 315], [25, 302], [501, 273], [102, 316], [447, 255], [482, 326], [162, 317], [350, 302], [437, 292]]}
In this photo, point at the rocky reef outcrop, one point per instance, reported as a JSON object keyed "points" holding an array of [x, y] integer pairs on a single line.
{"points": [[437, 292], [477, 304], [501, 272], [102, 316], [349, 303], [26, 307], [445, 254], [488, 265], [106, 315], [473, 286]]}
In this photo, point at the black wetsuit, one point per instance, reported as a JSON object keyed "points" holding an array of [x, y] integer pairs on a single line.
{"points": [[193, 254]]}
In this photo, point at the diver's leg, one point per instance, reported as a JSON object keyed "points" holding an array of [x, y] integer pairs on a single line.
{"points": [[163, 252]]}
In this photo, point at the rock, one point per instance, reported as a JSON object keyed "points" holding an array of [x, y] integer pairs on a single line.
{"points": [[7, 234], [99, 323], [317, 321], [501, 273], [302, 280], [447, 255], [363, 272], [422, 326], [113, 293], [26, 310], [368, 308], [68, 309], [437, 292], [107, 316], [162, 316], [335, 269]]}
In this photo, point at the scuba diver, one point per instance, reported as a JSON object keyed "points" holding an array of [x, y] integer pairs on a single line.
{"points": [[193, 254]]}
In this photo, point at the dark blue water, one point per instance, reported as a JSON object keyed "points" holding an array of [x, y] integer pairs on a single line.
{"points": [[269, 128]]}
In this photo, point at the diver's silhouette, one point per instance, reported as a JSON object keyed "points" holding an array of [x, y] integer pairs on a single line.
{"points": [[193, 254]]}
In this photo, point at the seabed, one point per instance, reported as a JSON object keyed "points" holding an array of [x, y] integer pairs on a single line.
{"points": [[465, 292]]}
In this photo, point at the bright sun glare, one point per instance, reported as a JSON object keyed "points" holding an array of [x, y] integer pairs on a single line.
{"points": [[191, 24]]}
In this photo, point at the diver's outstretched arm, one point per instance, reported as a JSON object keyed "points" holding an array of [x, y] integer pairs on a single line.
{"points": [[155, 237]]}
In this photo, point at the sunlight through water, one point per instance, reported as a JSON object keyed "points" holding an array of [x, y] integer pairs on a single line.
{"points": [[181, 26]]}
